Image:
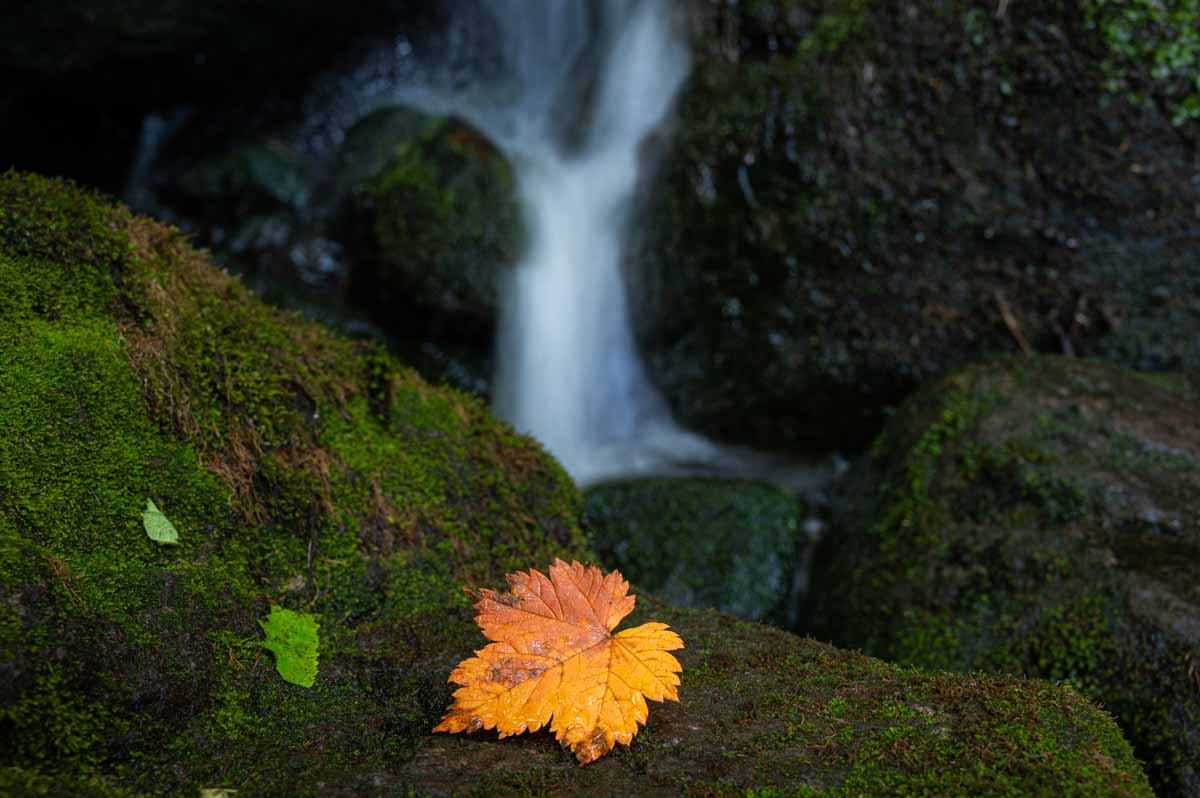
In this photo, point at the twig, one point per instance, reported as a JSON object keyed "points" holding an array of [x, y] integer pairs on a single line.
{"points": [[63, 574], [1010, 321]]}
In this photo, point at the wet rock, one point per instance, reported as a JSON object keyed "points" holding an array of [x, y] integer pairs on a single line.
{"points": [[432, 232], [1035, 516], [735, 546], [859, 197]]}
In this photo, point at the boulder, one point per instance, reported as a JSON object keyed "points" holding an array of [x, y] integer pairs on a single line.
{"points": [[301, 470], [402, 233], [432, 231], [1035, 516], [862, 196], [735, 546], [309, 473]]}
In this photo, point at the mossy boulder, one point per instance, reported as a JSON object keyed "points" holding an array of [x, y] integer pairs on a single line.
{"points": [[1036, 516], [300, 469], [432, 232], [314, 474], [860, 196], [766, 713], [732, 545], [401, 232]]}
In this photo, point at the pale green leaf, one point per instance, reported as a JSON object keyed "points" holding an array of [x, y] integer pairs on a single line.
{"points": [[157, 525], [217, 792], [292, 637]]}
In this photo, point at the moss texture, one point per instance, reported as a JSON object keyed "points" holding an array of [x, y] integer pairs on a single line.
{"points": [[734, 546], [316, 474], [442, 223], [765, 713], [1036, 516], [300, 469]]}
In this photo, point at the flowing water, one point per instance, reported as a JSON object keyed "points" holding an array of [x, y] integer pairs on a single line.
{"points": [[570, 92], [569, 372]]}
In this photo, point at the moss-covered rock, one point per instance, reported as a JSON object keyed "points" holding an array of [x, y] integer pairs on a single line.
{"points": [[864, 195], [300, 469], [315, 474], [765, 713], [703, 543], [1036, 516], [432, 231], [401, 233]]}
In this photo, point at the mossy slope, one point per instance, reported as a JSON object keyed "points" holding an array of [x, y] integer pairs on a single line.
{"points": [[1036, 516], [300, 469], [306, 471]]}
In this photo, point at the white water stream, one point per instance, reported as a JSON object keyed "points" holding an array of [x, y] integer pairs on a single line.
{"points": [[568, 372], [568, 369], [570, 91]]}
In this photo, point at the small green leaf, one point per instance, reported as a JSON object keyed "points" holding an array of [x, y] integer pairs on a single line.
{"points": [[292, 638], [157, 525], [217, 792]]}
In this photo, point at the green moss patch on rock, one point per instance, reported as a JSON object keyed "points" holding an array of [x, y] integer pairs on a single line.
{"points": [[703, 543], [301, 470], [765, 713], [1035, 516], [403, 231], [435, 228]]}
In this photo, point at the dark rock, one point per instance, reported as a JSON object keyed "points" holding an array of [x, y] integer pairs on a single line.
{"points": [[432, 232], [81, 76], [861, 196], [1035, 516], [735, 546]]}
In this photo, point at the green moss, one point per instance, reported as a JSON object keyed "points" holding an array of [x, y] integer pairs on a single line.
{"points": [[54, 724], [300, 469], [1013, 502], [766, 713], [702, 543], [1153, 50], [80, 459], [83, 239], [433, 229]]}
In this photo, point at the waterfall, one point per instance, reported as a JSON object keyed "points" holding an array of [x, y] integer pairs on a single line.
{"points": [[568, 371], [569, 91]]}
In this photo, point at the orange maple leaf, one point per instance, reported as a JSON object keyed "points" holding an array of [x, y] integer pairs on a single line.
{"points": [[555, 662]]}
